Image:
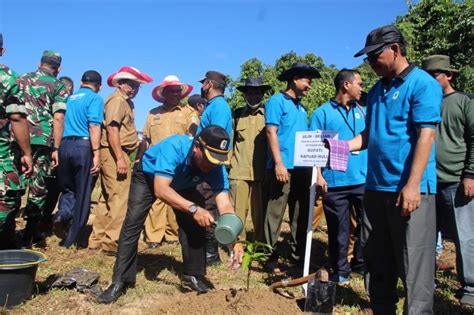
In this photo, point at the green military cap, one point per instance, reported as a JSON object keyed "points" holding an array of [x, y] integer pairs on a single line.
{"points": [[51, 57], [438, 63]]}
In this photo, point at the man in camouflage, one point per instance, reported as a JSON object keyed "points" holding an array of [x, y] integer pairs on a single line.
{"points": [[12, 115], [45, 103]]}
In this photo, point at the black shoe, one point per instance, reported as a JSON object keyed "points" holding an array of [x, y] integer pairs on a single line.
{"points": [[59, 227], [32, 235], [113, 292], [213, 260], [196, 283], [359, 269]]}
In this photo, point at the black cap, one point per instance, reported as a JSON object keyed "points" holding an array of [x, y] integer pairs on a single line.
{"points": [[215, 76], [215, 142], [380, 37], [1, 40], [91, 76], [301, 69], [196, 99]]}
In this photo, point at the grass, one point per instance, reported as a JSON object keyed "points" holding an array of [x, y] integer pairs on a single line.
{"points": [[158, 282]]}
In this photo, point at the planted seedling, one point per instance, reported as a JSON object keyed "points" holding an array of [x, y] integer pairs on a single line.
{"points": [[254, 251]]}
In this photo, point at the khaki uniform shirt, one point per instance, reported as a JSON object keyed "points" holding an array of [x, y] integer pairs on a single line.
{"points": [[163, 122], [119, 108], [249, 150]]}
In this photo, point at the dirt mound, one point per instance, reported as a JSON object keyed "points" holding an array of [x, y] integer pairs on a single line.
{"points": [[222, 302]]}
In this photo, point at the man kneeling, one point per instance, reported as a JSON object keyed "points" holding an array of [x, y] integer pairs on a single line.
{"points": [[170, 171]]}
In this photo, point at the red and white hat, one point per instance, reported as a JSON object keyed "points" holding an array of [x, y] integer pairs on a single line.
{"points": [[170, 80], [129, 73]]}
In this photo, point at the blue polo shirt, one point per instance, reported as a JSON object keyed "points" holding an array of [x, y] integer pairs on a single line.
{"points": [[83, 108], [347, 123], [289, 116], [171, 158], [217, 112], [395, 111]]}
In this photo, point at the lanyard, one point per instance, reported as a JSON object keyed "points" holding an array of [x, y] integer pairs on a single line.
{"points": [[346, 121]]}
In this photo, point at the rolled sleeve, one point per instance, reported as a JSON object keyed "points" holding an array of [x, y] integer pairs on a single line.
{"points": [[14, 101], [60, 98]]}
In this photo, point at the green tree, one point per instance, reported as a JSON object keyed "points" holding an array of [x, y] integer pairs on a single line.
{"points": [[322, 89], [442, 27]]}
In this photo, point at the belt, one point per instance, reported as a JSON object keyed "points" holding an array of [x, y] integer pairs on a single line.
{"points": [[75, 138]]}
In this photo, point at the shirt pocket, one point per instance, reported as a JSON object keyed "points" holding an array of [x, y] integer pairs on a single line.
{"points": [[240, 133], [11, 181]]}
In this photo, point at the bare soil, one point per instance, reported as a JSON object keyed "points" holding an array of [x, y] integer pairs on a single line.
{"points": [[158, 291]]}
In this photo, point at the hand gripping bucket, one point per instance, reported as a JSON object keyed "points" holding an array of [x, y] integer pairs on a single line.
{"points": [[17, 275], [228, 227]]}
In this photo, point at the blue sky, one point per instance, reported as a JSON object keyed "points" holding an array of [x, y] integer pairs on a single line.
{"points": [[185, 38]]}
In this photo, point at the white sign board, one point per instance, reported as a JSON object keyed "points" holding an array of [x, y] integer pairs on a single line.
{"points": [[309, 147]]}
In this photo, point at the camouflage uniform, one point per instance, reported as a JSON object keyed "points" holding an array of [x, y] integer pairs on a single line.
{"points": [[44, 95], [10, 184]]}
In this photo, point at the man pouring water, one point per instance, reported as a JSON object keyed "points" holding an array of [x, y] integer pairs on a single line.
{"points": [[170, 171]]}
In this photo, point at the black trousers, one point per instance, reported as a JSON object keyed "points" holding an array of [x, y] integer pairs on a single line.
{"points": [[295, 194], [338, 203], [191, 235], [75, 180]]}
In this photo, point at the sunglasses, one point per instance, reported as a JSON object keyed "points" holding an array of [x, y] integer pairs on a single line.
{"points": [[373, 56], [435, 74]]}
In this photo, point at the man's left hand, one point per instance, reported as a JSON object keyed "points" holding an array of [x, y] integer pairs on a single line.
{"points": [[468, 188], [54, 159], [237, 254], [408, 199]]}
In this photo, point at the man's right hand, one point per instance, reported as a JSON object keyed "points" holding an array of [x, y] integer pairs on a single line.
{"points": [[203, 217], [95, 164], [281, 173], [321, 185], [26, 164], [122, 167]]}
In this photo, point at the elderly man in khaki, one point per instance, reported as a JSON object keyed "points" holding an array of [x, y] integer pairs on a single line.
{"points": [[249, 158], [119, 140], [169, 119]]}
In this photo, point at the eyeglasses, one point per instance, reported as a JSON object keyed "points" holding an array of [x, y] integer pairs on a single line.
{"points": [[372, 57], [133, 84]]}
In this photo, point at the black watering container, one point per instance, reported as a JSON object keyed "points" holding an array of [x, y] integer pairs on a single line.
{"points": [[17, 275]]}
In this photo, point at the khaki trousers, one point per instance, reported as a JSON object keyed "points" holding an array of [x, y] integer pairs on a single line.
{"points": [[318, 212], [247, 195], [161, 223], [112, 205]]}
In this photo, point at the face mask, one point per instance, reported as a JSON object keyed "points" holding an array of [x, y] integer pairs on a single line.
{"points": [[204, 92], [253, 106]]}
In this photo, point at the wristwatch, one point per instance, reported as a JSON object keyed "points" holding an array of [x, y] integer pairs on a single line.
{"points": [[192, 209]]}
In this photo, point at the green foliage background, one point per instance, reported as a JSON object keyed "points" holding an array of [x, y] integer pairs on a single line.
{"points": [[430, 27]]}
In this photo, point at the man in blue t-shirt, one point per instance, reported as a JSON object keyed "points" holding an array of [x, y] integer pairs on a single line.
{"points": [[399, 227], [216, 112], [286, 184], [171, 170], [343, 191], [79, 159]]}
